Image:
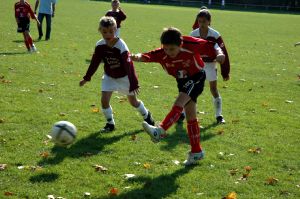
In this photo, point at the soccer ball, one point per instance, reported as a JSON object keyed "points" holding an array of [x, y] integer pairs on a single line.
{"points": [[63, 133]]}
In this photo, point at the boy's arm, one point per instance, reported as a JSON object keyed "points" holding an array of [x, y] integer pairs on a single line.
{"points": [[152, 56], [225, 67], [129, 67], [95, 62], [36, 5], [122, 15], [16, 14]]}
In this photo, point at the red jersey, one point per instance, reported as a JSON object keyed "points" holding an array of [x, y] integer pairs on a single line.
{"points": [[119, 16], [117, 62], [188, 61], [215, 36], [23, 10]]}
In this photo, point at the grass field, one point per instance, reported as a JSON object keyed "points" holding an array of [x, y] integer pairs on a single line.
{"points": [[39, 89]]}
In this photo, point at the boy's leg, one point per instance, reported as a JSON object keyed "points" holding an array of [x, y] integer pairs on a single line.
{"points": [[29, 39], [217, 101], [139, 105], [40, 28], [26, 42], [107, 111], [48, 27]]}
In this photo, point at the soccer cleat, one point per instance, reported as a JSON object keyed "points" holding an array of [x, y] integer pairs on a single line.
{"points": [[193, 158], [220, 120], [108, 128], [181, 118], [40, 37], [33, 49], [154, 132], [150, 119]]}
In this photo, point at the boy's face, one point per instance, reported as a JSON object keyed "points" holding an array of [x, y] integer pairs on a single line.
{"points": [[203, 22], [115, 5], [108, 33], [171, 50]]}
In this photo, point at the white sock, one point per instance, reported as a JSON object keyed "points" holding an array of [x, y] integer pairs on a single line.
{"points": [[218, 105], [108, 113], [142, 110]]}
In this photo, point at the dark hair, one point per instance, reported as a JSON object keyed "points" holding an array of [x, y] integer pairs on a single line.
{"points": [[204, 13], [203, 8], [107, 22], [171, 36]]}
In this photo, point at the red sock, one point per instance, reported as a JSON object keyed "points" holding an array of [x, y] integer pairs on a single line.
{"points": [[30, 41], [194, 135], [27, 44], [171, 118]]}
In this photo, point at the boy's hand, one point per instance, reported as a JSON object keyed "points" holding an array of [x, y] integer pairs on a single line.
{"points": [[136, 57], [38, 22], [220, 58], [82, 82]]}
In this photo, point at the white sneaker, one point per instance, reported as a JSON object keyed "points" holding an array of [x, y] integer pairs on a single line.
{"points": [[153, 131], [193, 158], [33, 49]]}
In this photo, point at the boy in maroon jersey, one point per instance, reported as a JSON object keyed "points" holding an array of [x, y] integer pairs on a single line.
{"points": [[180, 56], [206, 32], [117, 14], [23, 12], [119, 73]]}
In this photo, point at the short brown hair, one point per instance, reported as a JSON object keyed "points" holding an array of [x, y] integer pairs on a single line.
{"points": [[107, 22], [171, 36]]}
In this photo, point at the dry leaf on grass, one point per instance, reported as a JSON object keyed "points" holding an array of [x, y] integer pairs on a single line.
{"points": [[129, 176], [8, 193], [44, 154], [3, 167], [113, 191], [176, 162], [62, 114], [255, 150], [100, 168], [147, 166], [289, 101], [248, 168], [272, 181], [95, 110], [231, 195], [233, 171], [133, 137]]}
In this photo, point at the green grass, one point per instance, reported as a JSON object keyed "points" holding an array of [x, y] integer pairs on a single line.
{"points": [[262, 53]]}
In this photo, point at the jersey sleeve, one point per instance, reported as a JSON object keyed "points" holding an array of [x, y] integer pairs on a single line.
{"points": [[207, 49], [225, 67], [153, 56], [32, 15], [95, 62], [16, 13], [129, 67]]}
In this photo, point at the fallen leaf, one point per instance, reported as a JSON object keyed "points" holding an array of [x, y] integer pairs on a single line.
{"points": [[147, 166], [6, 81], [133, 137], [231, 195], [100, 168], [62, 114], [95, 110], [272, 181], [129, 175], [265, 104], [255, 150], [44, 154], [272, 110], [114, 191], [248, 168], [2, 120], [7, 193], [122, 99], [233, 171], [289, 101], [3, 167], [155, 87]]}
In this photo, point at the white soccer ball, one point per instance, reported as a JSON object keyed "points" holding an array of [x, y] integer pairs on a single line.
{"points": [[63, 133]]}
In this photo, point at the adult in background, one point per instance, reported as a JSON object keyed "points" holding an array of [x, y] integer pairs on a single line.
{"points": [[47, 10]]}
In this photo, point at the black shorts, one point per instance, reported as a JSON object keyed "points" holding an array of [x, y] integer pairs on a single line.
{"points": [[24, 24], [192, 86]]}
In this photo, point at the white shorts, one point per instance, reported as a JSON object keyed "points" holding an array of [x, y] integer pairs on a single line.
{"points": [[116, 84], [117, 34], [211, 71]]}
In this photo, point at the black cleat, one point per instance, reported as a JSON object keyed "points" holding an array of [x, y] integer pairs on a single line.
{"points": [[220, 120], [181, 118], [108, 128], [150, 119], [40, 37]]}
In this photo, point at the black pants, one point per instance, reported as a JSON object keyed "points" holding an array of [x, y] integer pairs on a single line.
{"points": [[48, 27]]}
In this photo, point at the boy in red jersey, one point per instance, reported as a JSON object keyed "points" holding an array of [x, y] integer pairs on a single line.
{"points": [[23, 12], [180, 56], [119, 73], [206, 32], [117, 14]]}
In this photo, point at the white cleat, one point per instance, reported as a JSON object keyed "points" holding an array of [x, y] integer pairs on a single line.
{"points": [[153, 131], [33, 49], [193, 158]]}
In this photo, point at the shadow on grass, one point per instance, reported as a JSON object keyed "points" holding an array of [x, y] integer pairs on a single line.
{"points": [[180, 136], [45, 177], [89, 146], [158, 187], [14, 53]]}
